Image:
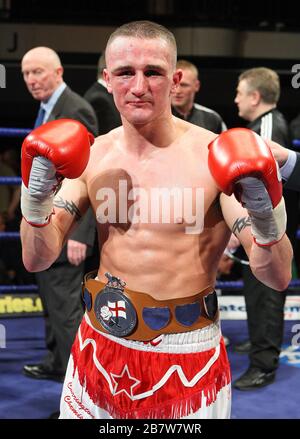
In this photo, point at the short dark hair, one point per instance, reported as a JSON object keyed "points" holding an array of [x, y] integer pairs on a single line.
{"points": [[265, 81], [147, 30]]}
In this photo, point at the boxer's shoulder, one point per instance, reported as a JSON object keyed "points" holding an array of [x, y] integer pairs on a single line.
{"points": [[193, 130], [202, 136], [105, 143], [197, 139]]}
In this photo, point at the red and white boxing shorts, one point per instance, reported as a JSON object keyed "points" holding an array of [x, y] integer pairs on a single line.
{"points": [[175, 376]]}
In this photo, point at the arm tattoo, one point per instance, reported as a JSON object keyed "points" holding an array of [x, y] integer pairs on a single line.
{"points": [[240, 224], [68, 206]]}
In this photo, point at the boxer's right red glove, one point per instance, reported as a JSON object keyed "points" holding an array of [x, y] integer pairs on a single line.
{"points": [[57, 149], [243, 164]]}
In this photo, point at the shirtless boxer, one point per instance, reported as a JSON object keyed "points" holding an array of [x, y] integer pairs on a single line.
{"points": [[151, 348]]}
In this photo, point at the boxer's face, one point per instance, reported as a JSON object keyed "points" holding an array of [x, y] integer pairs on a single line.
{"points": [[184, 95], [41, 78], [141, 75]]}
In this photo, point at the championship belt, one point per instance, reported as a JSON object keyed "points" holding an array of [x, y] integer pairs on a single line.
{"points": [[121, 312]]}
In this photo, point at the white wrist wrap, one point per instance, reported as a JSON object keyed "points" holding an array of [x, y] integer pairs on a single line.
{"points": [[36, 210], [37, 199], [269, 227]]}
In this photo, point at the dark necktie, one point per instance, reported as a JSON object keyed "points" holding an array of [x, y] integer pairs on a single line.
{"points": [[40, 117]]}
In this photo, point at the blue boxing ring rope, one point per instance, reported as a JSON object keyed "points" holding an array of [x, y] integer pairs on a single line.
{"points": [[14, 132], [296, 143], [22, 132]]}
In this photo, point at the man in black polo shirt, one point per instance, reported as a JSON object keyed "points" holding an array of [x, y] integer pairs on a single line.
{"points": [[257, 94], [183, 104]]}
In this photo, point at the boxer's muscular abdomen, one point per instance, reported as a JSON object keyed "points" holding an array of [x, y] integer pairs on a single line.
{"points": [[165, 255], [163, 260]]}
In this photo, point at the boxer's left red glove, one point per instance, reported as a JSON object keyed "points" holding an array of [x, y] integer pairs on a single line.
{"points": [[243, 164]]}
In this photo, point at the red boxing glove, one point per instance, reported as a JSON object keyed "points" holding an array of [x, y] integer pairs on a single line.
{"points": [[243, 164], [64, 142], [57, 149]]}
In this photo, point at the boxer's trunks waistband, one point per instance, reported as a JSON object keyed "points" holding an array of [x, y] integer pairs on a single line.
{"points": [[119, 311]]}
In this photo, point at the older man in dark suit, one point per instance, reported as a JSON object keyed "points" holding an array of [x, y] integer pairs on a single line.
{"points": [[102, 102], [59, 286]]}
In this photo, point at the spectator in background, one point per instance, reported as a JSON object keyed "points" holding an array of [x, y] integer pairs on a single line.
{"points": [[59, 286], [183, 98], [103, 102], [257, 95]]}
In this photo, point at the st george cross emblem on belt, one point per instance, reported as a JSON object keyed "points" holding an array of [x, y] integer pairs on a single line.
{"points": [[113, 309]]}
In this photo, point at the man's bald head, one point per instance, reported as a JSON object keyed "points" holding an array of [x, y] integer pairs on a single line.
{"points": [[42, 72], [44, 55]]}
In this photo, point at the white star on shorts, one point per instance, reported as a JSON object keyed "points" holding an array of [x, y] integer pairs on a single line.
{"points": [[123, 382]]}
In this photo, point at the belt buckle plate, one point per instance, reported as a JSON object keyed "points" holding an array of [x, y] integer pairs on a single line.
{"points": [[114, 310]]}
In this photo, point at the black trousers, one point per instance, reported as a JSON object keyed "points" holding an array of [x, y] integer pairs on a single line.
{"points": [[60, 291], [265, 311]]}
